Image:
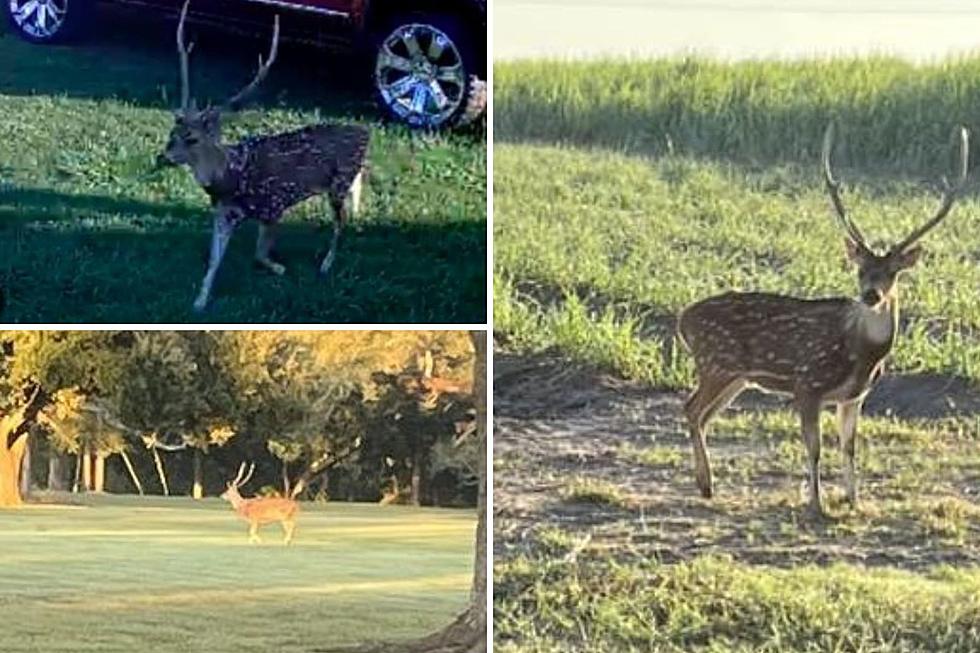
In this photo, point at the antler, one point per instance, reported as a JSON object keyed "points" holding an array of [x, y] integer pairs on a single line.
{"points": [[264, 65], [238, 477], [184, 54], [833, 189], [950, 192]]}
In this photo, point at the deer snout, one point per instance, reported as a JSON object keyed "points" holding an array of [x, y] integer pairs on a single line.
{"points": [[164, 161], [872, 296]]}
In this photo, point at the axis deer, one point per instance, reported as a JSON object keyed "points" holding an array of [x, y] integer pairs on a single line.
{"points": [[818, 351], [259, 511], [262, 176]]}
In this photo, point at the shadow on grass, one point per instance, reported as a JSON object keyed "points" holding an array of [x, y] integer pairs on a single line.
{"points": [[131, 57], [133, 262], [21, 206]]}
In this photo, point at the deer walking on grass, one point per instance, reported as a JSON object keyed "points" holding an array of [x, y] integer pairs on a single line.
{"points": [[262, 176], [818, 351], [259, 511]]}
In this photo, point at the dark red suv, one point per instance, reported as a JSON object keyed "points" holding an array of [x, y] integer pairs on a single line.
{"points": [[426, 53]]}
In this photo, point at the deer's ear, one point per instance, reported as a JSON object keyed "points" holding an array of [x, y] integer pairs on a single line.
{"points": [[211, 121], [855, 253], [908, 258]]}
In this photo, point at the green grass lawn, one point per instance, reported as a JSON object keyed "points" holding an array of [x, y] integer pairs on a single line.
{"points": [[89, 233], [624, 191], [130, 574]]}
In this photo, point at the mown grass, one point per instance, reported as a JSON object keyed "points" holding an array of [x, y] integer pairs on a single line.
{"points": [[129, 574], [603, 235], [90, 233]]}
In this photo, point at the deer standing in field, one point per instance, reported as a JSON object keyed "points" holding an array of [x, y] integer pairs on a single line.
{"points": [[262, 176], [818, 351], [261, 510]]}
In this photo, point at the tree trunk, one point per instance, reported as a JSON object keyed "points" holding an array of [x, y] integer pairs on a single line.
{"points": [[56, 472], [468, 633], [416, 495], [79, 463], [98, 472], [86, 469], [478, 601], [285, 479], [160, 471], [132, 472], [25, 470], [198, 491], [10, 462]]}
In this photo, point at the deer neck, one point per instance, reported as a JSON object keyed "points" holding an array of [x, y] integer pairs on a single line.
{"points": [[209, 163], [237, 502], [874, 327]]}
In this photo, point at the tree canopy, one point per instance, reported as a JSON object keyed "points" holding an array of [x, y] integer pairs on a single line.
{"points": [[359, 415]]}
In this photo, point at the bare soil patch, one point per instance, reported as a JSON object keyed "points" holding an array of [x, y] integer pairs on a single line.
{"points": [[556, 422]]}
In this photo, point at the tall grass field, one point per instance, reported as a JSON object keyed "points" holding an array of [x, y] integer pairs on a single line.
{"points": [[90, 232], [123, 574], [625, 190]]}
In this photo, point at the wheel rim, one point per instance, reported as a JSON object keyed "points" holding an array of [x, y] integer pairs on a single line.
{"points": [[420, 75], [39, 18]]}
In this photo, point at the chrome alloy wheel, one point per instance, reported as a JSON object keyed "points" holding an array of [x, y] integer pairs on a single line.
{"points": [[420, 75], [39, 19]]}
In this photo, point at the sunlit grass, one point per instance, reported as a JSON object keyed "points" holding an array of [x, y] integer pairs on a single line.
{"points": [[115, 576]]}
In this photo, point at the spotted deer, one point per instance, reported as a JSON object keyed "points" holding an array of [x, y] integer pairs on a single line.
{"points": [[262, 176], [819, 351], [259, 511]]}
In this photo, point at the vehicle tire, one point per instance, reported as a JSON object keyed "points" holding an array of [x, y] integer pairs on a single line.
{"points": [[49, 21], [424, 69]]}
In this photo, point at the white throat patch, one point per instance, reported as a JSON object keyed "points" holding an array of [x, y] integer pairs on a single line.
{"points": [[874, 326]]}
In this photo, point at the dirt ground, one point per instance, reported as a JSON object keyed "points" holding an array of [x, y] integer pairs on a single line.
{"points": [[555, 422]]}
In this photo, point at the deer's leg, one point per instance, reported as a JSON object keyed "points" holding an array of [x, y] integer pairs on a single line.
{"points": [[847, 418], [352, 202], [810, 422], [253, 533], [340, 217], [219, 243], [263, 248], [288, 526], [711, 396]]}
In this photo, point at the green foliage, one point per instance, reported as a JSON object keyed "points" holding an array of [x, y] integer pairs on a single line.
{"points": [[311, 400]]}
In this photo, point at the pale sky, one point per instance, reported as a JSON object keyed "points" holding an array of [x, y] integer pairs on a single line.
{"points": [[735, 29]]}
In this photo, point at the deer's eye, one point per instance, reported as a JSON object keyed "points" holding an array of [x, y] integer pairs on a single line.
{"points": [[191, 140]]}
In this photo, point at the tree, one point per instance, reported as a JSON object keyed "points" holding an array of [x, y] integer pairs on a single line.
{"points": [[307, 412], [55, 360], [468, 632], [176, 396], [14, 432]]}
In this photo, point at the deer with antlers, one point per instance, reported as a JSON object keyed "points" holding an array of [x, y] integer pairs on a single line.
{"points": [[261, 177], [261, 510], [818, 351]]}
